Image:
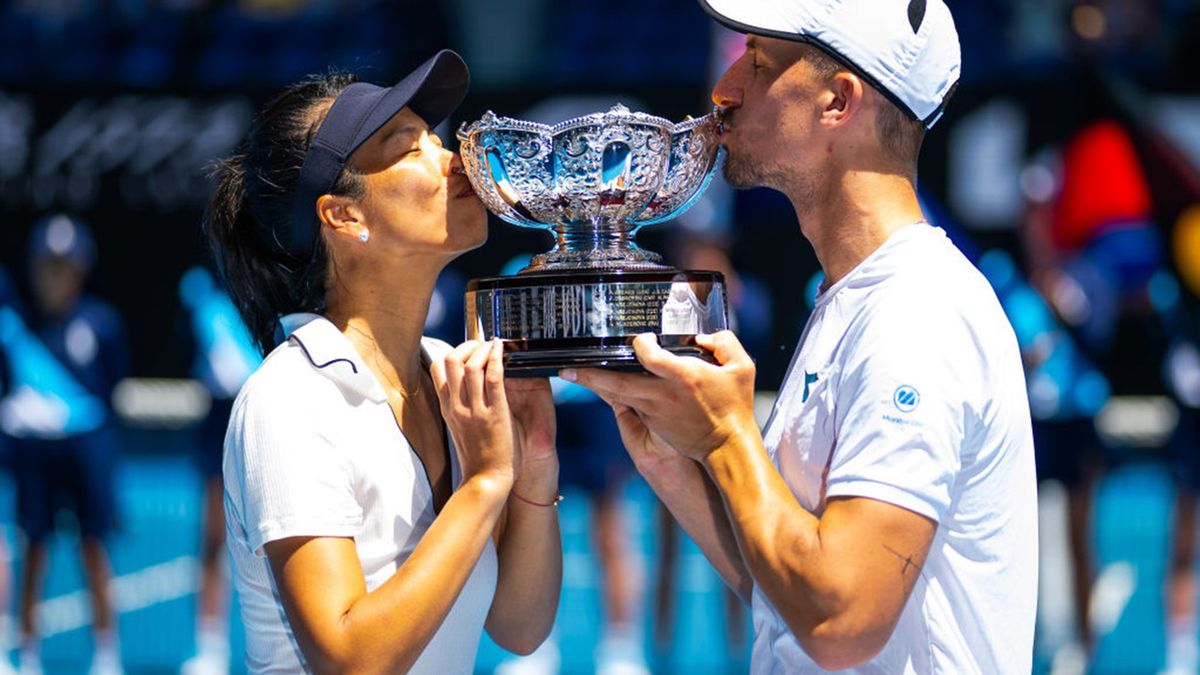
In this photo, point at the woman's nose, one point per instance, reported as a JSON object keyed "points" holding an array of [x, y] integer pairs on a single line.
{"points": [[455, 165]]}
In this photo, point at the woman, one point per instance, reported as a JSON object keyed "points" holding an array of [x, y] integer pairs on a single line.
{"points": [[364, 537]]}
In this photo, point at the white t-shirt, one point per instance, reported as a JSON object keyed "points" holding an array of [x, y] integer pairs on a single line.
{"points": [[908, 388], [313, 449]]}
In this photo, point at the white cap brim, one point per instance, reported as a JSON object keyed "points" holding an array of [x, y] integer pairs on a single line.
{"points": [[912, 57], [751, 17]]}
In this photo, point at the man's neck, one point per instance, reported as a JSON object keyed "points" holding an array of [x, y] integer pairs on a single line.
{"points": [[849, 218]]}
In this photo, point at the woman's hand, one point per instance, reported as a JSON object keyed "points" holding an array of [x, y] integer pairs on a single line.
{"points": [[534, 428], [470, 387]]}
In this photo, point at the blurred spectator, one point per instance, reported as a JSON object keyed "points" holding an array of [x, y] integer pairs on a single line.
{"points": [[704, 247], [8, 304], [594, 463], [225, 357], [1095, 254], [65, 365], [1066, 393], [1175, 298], [1067, 447], [1183, 373]]}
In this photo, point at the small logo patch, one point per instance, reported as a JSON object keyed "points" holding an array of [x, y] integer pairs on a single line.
{"points": [[906, 398], [809, 378]]}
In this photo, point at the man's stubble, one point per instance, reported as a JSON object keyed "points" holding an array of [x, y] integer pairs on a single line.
{"points": [[745, 171]]}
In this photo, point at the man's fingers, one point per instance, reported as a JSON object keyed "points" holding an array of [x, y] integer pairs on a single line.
{"points": [[655, 359], [478, 356], [613, 386], [605, 398], [630, 424], [725, 348]]}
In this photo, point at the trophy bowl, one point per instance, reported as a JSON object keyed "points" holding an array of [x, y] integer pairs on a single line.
{"points": [[592, 182]]}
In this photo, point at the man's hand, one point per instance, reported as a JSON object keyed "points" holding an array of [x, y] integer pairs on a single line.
{"points": [[649, 452], [690, 405]]}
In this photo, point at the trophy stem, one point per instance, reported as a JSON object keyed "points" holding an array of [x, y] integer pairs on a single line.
{"points": [[596, 248]]}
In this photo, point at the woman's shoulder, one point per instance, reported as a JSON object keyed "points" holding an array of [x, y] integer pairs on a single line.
{"points": [[283, 407], [285, 379]]}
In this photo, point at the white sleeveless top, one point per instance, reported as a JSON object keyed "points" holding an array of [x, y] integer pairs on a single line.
{"points": [[313, 449]]}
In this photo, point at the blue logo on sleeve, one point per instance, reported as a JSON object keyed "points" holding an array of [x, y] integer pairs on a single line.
{"points": [[906, 398], [809, 378]]}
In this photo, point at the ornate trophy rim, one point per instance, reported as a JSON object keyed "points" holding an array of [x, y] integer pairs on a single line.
{"points": [[593, 180], [490, 121]]}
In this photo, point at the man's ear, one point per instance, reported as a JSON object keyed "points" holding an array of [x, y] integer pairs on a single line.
{"points": [[341, 214], [844, 99]]}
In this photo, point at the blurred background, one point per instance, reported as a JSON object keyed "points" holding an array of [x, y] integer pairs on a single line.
{"points": [[1065, 168]]}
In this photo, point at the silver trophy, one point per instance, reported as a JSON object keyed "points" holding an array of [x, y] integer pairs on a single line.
{"points": [[592, 182]]}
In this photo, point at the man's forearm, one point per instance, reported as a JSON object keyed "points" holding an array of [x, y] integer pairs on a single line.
{"points": [[841, 581], [779, 540], [760, 505], [694, 501]]}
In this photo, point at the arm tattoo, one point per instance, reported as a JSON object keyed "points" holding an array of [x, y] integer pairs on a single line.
{"points": [[907, 559]]}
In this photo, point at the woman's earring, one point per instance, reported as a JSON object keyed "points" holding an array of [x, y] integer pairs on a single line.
{"points": [[364, 235]]}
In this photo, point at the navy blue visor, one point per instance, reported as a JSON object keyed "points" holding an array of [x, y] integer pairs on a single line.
{"points": [[432, 91]]}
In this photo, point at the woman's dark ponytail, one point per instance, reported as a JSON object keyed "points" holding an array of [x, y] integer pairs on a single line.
{"points": [[255, 281], [252, 200]]}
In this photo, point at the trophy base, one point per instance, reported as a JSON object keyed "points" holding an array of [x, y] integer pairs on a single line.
{"points": [[588, 319], [527, 358]]}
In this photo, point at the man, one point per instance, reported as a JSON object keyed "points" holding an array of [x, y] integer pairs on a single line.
{"points": [[886, 518]]}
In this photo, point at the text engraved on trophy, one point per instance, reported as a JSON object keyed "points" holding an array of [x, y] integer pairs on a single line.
{"points": [[596, 310]]}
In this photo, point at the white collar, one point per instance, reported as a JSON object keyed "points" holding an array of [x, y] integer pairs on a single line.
{"points": [[332, 355]]}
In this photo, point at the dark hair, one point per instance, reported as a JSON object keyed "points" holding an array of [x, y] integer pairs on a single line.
{"points": [[252, 200], [899, 134]]}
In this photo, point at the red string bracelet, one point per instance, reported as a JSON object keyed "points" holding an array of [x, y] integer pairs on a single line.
{"points": [[533, 503]]}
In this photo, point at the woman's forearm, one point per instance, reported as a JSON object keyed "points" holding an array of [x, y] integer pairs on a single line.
{"points": [[411, 606], [530, 558], [386, 630]]}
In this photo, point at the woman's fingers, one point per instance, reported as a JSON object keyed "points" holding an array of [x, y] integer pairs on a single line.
{"points": [[437, 370], [454, 374], [473, 374], [481, 422], [494, 377]]}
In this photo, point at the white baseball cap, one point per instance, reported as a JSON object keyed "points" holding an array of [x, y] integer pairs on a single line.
{"points": [[906, 49]]}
